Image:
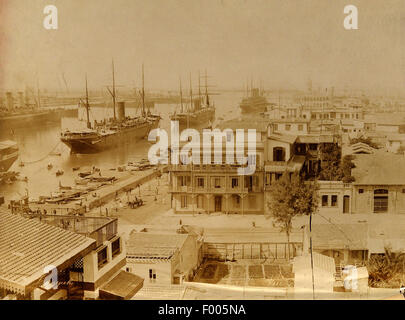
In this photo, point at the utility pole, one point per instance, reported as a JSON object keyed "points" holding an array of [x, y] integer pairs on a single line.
{"points": [[312, 257]]}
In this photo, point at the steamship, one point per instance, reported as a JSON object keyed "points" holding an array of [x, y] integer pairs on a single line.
{"points": [[23, 112], [200, 111], [255, 103], [113, 132], [8, 154]]}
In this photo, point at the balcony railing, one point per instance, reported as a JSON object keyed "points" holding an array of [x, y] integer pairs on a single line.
{"points": [[98, 228]]}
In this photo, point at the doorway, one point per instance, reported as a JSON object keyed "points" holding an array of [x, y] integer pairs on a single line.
{"points": [[346, 204], [218, 203]]}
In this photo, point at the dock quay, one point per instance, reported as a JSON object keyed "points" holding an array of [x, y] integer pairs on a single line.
{"points": [[109, 192], [98, 197]]}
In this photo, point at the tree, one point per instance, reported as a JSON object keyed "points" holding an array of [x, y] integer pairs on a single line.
{"points": [[331, 170], [291, 196], [347, 166]]}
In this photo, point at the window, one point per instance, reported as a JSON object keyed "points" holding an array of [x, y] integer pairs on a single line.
{"points": [[182, 180], [278, 154], [152, 275], [287, 127], [380, 200], [268, 179], [116, 247], [361, 190], [334, 200], [403, 190], [300, 127], [200, 201], [184, 201], [217, 182], [235, 182], [324, 201], [275, 127], [200, 182], [229, 135], [102, 257], [313, 146]]}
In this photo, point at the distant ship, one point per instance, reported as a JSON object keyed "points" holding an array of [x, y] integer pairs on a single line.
{"points": [[8, 154], [200, 112], [255, 103], [113, 132], [24, 113]]}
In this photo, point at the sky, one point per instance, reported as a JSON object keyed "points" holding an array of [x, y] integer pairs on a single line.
{"points": [[282, 43]]}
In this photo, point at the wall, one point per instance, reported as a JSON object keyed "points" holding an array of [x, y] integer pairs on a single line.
{"points": [[92, 276], [271, 144], [163, 270], [364, 202]]}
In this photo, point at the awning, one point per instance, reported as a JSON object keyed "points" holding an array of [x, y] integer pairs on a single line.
{"points": [[122, 287]]}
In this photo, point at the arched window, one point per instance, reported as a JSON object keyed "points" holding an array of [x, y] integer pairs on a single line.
{"points": [[380, 200], [278, 154]]}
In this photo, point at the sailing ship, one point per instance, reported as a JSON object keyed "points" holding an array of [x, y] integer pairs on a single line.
{"points": [[200, 111], [111, 133], [254, 103]]}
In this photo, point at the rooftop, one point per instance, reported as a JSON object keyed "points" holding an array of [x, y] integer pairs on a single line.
{"points": [[343, 236], [148, 245], [379, 168], [27, 246]]}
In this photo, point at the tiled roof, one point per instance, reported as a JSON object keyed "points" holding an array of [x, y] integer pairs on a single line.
{"points": [[154, 245], [28, 246]]}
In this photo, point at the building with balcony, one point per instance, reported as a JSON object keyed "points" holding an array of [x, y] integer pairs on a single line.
{"points": [[87, 251], [217, 187]]}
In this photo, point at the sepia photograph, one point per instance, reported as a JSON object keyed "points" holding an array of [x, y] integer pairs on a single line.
{"points": [[209, 150]]}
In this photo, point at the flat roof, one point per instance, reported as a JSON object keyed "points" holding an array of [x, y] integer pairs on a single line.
{"points": [[379, 168], [27, 246], [149, 245], [122, 287]]}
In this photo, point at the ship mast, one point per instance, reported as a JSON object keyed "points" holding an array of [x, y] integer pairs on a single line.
{"points": [[39, 95], [206, 90], [199, 89], [181, 98], [143, 92], [191, 104], [113, 93], [87, 106]]}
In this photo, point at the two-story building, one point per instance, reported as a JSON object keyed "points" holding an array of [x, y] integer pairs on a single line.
{"points": [[86, 253]]}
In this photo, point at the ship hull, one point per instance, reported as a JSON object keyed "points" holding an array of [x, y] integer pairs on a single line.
{"points": [[35, 119], [253, 109], [7, 163], [192, 120], [110, 141]]}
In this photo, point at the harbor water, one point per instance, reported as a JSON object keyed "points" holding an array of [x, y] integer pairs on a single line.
{"points": [[40, 146]]}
